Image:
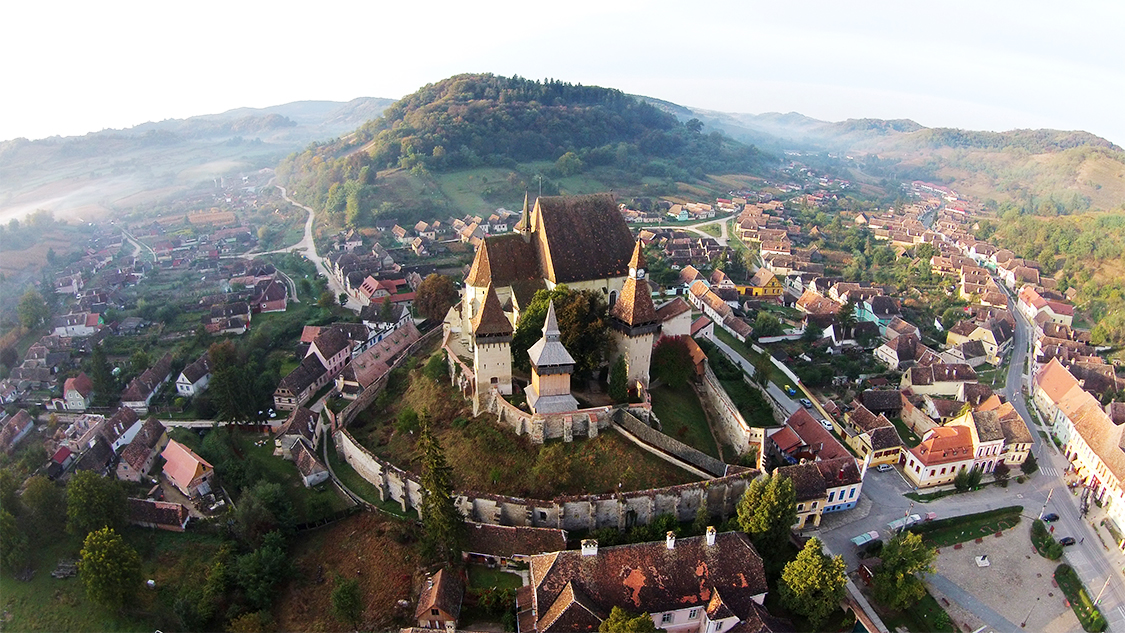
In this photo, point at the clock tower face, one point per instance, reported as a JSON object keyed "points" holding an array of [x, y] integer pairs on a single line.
{"points": [[637, 273]]}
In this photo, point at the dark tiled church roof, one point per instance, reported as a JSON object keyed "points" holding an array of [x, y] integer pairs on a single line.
{"points": [[586, 236], [502, 260]]}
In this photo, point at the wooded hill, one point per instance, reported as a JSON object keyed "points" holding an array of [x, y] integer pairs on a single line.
{"points": [[474, 121]]}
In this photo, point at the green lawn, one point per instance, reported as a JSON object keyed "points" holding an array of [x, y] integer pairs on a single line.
{"points": [[1084, 607], [909, 437], [959, 529], [481, 577], [682, 417], [924, 615], [712, 229], [753, 407]]}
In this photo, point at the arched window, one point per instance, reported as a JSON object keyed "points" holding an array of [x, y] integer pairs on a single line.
{"points": [[612, 298]]}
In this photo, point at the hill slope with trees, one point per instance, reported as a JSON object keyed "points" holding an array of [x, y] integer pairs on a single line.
{"points": [[474, 121]]}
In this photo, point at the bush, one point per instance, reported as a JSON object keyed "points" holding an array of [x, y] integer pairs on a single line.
{"points": [[408, 421], [435, 368]]}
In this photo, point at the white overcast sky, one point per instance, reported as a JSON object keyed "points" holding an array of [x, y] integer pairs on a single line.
{"points": [[74, 67]]}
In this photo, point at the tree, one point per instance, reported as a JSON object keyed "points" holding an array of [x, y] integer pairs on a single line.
{"points": [[45, 504], [671, 361], [621, 621], [263, 510], [9, 357], [702, 517], [343, 298], [13, 543], [582, 318], [102, 377], [619, 381], [766, 324], [387, 310], [435, 295], [347, 602], [231, 385], [896, 584], [326, 299], [569, 164], [139, 361], [260, 571], [32, 310], [1030, 465], [813, 584], [9, 491], [93, 502], [441, 522], [110, 569], [767, 511], [763, 369], [846, 317], [951, 317], [925, 251], [1001, 473]]}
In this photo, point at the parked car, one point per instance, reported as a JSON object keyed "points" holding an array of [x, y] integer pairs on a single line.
{"points": [[827, 425], [1050, 518], [806, 403], [884, 468], [1067, 541]]}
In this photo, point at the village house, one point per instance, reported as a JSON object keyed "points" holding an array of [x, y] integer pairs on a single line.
{"points": [[943, 379], [15, 429], [139, 454], [138, 394], [77, 392], [195, 377], [871, 435], [439, 606], [188, 472], [299, 385], [706, 584], [312, 472], [78, 324], [499, 545], [160, 515], [943, 452]]}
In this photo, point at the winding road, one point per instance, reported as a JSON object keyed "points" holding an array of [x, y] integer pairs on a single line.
{"points": [[307, 248]]}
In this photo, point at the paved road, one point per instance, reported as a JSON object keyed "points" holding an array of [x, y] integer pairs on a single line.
{"points": [[722, 222], [1092, 559], [307, 247], [788, 404]]}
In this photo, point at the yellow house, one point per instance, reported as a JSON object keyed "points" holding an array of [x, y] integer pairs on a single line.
{"points": [[763, 284]]}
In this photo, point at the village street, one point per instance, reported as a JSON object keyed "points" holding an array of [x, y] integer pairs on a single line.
{"points": [[307, 247]]}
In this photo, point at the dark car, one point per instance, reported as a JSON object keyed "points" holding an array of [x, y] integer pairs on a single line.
{"points": [[1067, 541], [1050, 518]]}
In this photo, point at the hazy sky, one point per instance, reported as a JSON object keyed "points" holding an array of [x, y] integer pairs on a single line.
{"points": [[75, 67]]}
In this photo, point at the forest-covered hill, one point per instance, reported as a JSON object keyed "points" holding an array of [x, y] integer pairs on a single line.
{"points": [[482, 120]]}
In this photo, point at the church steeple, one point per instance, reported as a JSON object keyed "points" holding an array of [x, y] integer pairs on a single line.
{"points": [[524, 226], [637, 264]]}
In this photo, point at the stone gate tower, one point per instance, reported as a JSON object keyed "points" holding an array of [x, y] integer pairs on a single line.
{"points": [[492, 353]]}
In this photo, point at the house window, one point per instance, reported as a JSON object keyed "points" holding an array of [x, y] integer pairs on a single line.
{"points": [[851, 494], [831, 495], [814, 504], [693, 614], [435, 612], [666, 618], [542, 515]]}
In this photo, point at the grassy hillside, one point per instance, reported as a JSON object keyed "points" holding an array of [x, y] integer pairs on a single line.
{"points": [[482, 139]]}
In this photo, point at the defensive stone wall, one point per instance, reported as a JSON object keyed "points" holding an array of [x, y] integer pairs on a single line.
{"points": [[732, 425], [670, 445], [580, 512]]}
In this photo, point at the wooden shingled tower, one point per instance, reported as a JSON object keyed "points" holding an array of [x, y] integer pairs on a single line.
{"points": [[634, 321], [551, 366]]}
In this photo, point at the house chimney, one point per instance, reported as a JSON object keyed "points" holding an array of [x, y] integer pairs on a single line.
{"points": [[589, 547], [670, 539], [710, 535]]}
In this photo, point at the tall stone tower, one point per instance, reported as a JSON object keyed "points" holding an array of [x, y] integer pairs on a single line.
{"points": [[492, 353], [634, 321], [551, 366]]}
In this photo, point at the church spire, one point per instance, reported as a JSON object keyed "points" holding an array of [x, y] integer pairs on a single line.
{"points": [[551, 325], [524, 226], [637, 264]]}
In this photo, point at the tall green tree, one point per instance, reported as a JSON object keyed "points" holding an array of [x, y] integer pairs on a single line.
{"points": [[895, 583], [583, 324], [768, 510], [13, 543], [671, 361], [435, 296], [813, 584], [94, 502], [442, 524], [231, 385], [110, 569], [621, 621], [1030, 465], [101, 375], [846, 316], [619, 381], [261, 571], [45, 504], [32, 310]]}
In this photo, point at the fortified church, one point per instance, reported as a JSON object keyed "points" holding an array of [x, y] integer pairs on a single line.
{"points": [[580, 241]]}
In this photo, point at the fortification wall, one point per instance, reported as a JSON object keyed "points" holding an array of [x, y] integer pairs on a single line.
{"points": [[584, 512]]}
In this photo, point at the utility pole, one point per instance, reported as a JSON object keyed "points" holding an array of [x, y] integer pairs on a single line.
{"points": [[1041, 512], [1103, 589]]}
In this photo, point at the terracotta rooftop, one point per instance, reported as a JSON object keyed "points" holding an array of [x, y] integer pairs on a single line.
{"points": [[490, 320], [507, 541], [807, 480], [945, 444]]}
